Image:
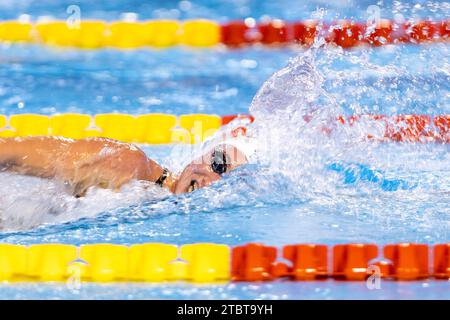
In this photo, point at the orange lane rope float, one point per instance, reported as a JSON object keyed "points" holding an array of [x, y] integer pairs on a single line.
{"points": [[209, 262], [92, 34], [191, 128]]}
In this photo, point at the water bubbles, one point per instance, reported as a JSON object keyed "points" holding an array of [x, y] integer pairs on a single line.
{"points": [[250, 22], [24, 18], [399, 18], [129, 17], [248, 63], [185, 5]]}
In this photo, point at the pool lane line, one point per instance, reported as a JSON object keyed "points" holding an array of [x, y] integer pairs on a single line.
{"points": [[158, 128], [216, 263], [204, 33]]}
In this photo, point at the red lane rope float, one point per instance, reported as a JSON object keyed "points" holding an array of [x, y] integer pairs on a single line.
{"points": [[351, 262], [409, 261], [399, 128], [228, 118], [309, 261], [342, 33], [305, 32], [407, 128], [253, 262], [442, 261]]}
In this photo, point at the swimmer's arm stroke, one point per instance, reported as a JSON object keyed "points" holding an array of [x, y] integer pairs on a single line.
{"points": [[81, 163]]}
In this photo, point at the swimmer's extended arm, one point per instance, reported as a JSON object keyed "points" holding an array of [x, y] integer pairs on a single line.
{"points": [[33, 156], [81, 163]]}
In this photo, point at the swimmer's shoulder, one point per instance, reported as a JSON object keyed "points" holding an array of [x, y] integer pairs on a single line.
{"points": [[126, 154], [98, 144]]}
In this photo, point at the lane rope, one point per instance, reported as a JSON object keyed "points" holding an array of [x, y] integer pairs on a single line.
{"points": [[209, 262], [92, 34], [160, 128]]}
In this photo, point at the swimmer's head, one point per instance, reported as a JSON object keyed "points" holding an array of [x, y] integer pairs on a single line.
{"points": [[210, 167]]}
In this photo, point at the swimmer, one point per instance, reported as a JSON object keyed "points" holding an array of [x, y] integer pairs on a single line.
{"points": [[109, 164]]}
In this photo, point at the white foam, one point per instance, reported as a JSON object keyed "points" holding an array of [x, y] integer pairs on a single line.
{"points": [[27, 202]]}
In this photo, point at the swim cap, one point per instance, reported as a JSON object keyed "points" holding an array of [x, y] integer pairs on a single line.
{"points": [[244, 144], [235, 134]]}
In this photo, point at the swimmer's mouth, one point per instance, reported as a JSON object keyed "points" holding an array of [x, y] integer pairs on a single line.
{"points": [[193, 186]]}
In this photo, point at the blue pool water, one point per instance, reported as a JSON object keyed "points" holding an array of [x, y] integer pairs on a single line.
{"points": [[336, 189]]}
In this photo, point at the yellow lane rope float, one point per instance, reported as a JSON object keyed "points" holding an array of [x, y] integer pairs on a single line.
{"points": [[148, 128]]}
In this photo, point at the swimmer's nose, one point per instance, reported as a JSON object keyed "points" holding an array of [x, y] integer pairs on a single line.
{"points": [[195, 176]]}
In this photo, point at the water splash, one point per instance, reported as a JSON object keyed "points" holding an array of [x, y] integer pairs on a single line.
{"points": [[298, 139], [28, 202]]}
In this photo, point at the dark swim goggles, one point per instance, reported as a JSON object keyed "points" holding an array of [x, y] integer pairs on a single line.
{"points": [[219, 165]]}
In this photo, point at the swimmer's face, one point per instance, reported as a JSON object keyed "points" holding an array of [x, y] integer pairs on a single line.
{"points": [[210, 167]]}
